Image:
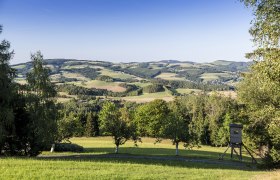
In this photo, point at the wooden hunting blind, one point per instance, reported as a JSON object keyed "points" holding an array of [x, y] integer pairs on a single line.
{"points": [[235, 141], [235, 133]]}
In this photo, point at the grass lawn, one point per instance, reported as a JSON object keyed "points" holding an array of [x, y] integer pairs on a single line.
{"points": [[127, 168]]}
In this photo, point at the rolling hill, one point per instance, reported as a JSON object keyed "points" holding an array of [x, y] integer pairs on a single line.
{"points": [[130, 81]]}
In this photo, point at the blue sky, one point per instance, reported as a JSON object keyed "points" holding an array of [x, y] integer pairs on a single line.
{"points": [[127, 30]]}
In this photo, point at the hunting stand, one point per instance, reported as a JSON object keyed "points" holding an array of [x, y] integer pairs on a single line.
{"points": [[236, 143]]}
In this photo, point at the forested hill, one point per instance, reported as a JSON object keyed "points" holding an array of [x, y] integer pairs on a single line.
{"points": [[165, 77]]}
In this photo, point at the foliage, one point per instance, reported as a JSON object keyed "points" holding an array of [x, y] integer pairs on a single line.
{"points": [[177, 126], [116, 122], [68, 147], [260, 89], [151, 118], [41, 106], [88, 72], [153, 88], [7, 75]]}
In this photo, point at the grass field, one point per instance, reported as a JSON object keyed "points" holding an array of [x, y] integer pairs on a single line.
{"points": [[213, 76], [170, 76], [187, 91], [111, 86], [115, 74], [81, 166], [147, 97]]}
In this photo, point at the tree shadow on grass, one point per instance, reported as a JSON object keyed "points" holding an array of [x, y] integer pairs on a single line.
{"points": [[155, 156], [166, 152]]}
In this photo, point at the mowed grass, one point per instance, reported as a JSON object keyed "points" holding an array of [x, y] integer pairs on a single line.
{"points": [[127, 168]]}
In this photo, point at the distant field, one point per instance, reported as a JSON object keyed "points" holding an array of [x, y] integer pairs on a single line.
{"points": [[142, 84], [19, 66], [115, 74], [147, 97], [20, 80], [111, 86], [184, 65], [75, 75], [170, 76], [187, 91], [213, 76], [75, 66], [91, 164]]}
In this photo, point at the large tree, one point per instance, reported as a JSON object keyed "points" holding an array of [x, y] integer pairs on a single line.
{"points": [[7, 75], [260, 90], [41, 106]]}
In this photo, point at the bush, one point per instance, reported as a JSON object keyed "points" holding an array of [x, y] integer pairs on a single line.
{"points": [[153, 88], [68, 147]]}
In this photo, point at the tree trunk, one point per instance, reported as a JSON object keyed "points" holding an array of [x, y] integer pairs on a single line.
{"points": [[53, 147], [177, 151], [117, 149]]}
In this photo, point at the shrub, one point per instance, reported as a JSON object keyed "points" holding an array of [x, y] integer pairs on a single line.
{"points": [[68, 147]]}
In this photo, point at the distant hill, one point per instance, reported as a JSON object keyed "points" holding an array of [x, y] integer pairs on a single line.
{"points": [[139, 78]]}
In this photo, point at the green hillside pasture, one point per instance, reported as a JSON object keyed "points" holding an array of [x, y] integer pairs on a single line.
{"points": [[19, 66], [142, 84], [20, 80], [111, 86], [55, 77], [170, 76], [147, 97], [115, 74], [66, 97], [222, 63], [182, 65], [188, 91], [213, 76], [133, 165], [75, 66], [75, 75]]}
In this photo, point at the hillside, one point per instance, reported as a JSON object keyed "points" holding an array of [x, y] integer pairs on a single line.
{"points": [[139, 82]]}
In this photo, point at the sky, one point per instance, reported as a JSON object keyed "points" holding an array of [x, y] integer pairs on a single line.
{"points": [[127, 30]]}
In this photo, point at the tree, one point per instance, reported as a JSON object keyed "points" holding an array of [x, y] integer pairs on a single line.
{"points": [[7, 89], [115, 122], [89, 129], [177, 126], [199, 126], [151, 118], [41, 107], [260, 90]]}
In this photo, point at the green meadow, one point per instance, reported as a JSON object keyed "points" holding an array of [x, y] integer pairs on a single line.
{"points": [[146, 161]]}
